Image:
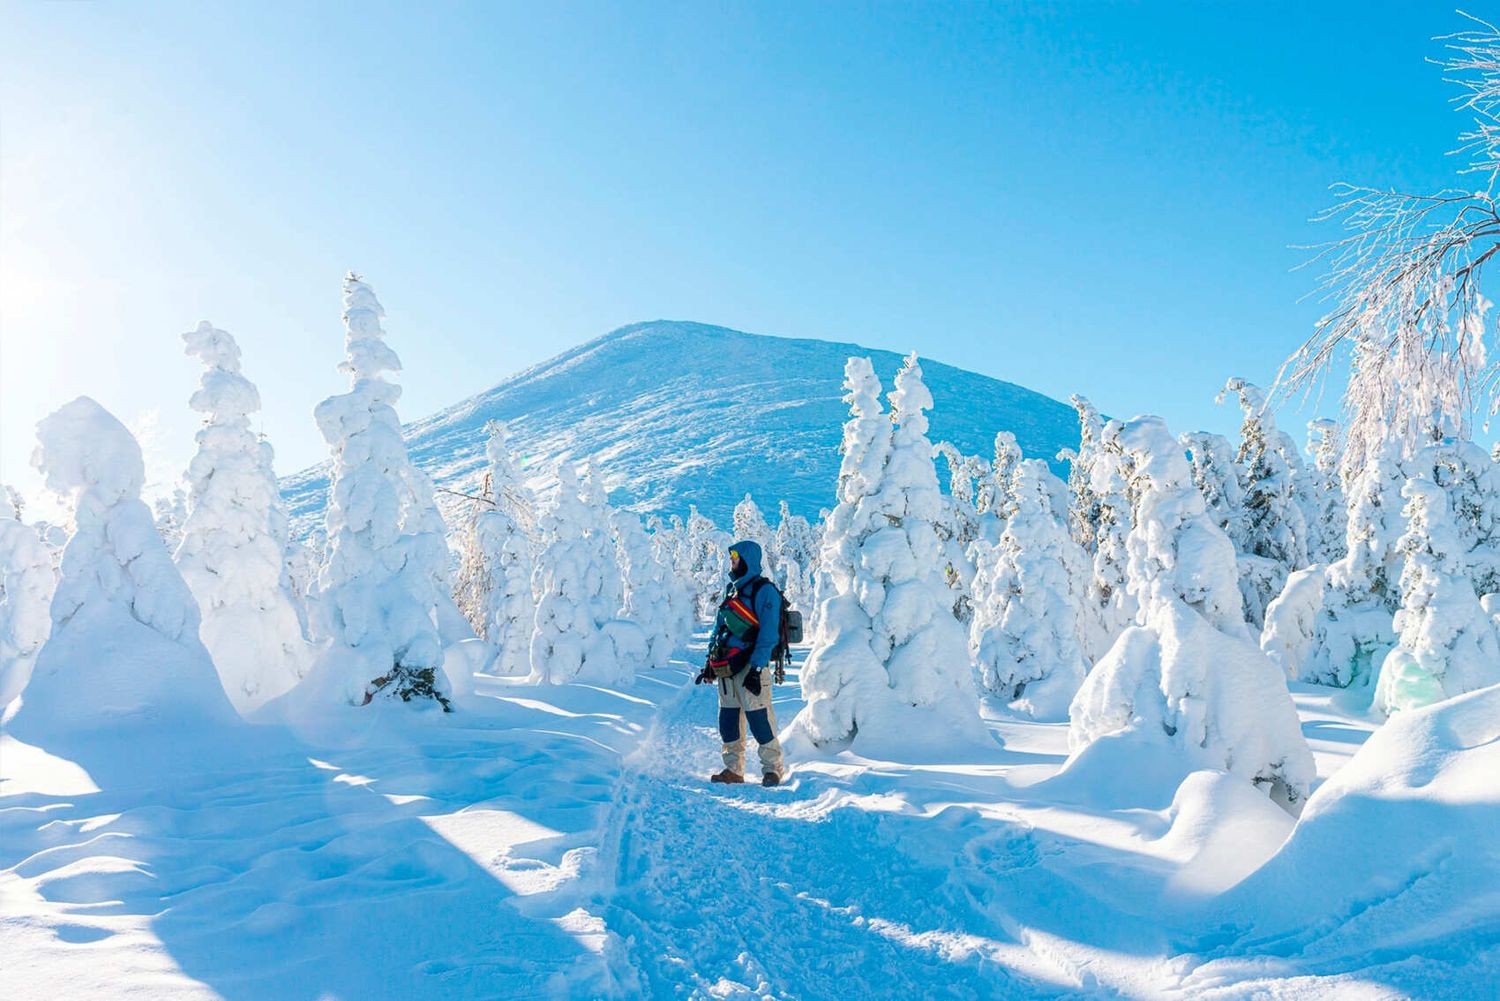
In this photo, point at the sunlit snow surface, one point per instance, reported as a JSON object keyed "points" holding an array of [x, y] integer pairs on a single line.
{"points": [[674, 414], [562, 841]]}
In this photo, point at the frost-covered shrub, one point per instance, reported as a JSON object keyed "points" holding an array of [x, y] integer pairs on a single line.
{"points": [[887, 643], [1446, 643], [27, 581], [234, 540], [1028, 630], [1187, 675], [124, 645], [386, 552], [495, 572], [577, 635]]}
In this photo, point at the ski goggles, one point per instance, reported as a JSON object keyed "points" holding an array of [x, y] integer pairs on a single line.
{"points": [[733, 555]]}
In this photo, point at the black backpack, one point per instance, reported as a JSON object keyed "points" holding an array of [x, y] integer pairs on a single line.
{"points": [[790, 626]]}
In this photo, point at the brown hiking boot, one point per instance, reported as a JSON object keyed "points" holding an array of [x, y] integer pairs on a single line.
{"points": [[727, 777], [770, 779]]}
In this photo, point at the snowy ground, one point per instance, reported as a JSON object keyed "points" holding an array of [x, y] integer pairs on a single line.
{"points": [[563, 841]]}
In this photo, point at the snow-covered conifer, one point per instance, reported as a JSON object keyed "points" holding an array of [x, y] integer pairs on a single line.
{"points": [[1446, 643], [649, 595], [1028, 630], [679, 589], [577, 636], [1352, 630], [495, 573], [1329, 520], [1218, 479], [1275, 530], [997, 494], [887, 642], [796, 545], [706, 545], [118, 591], [234, 539], [1187, 676], [750, 523], [169, 512], [386, 553], [27, 581], [1084, 510], [1109, 482]]}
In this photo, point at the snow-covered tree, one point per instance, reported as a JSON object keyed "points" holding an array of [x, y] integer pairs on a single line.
{"points": [[27, 581], [679, 589], [960, 526], [1351, 630], [887, 642], [234, 539], [577, 636], [649, 595], [997, 493], [170, 511], [1275, 533], [495, 572], [706, 546], [1218, 479], [386, 552], [796, 546], [1446, 643], [1187, 676], [751, 524], [1028, 630], [1084, 510], [1471, 481], [119, 592], [1329, 518], [1113, 605]]}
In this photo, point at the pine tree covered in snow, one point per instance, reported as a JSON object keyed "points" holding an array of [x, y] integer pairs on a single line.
{"points": [[577, 636], [1275, 530], [1109, 482], [1356, 597], [1187, 677], [1084, 512], [495, 572], [650, 599], [118, 590], [27, 581], [1218, 479], [1329, 518], [386, 555], [665, 547], [997, 493], [796, 545], [1446, 644], [170, 511], [705, 545], [1028, 630], [234, 539], [887, 642], [751, 524]]}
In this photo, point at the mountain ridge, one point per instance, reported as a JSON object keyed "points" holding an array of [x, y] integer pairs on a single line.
{"points": [[678, 412]]}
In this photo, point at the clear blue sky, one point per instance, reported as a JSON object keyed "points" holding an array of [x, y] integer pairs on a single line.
{"points": [[1075, 197]]}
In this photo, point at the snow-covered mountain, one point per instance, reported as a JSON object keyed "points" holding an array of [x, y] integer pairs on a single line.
{"points": [[676, 413]]}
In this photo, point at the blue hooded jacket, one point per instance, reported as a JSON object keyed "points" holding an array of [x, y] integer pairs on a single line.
{"points": [[767, 606]]}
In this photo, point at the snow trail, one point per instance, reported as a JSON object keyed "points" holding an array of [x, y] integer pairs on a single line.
{"points": [[746, 892]]}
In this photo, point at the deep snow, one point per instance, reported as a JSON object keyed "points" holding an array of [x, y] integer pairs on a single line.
{"points": [[561, 841]]}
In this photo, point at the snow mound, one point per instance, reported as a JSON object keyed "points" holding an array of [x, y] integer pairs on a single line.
{"points": [[1396, 852]]}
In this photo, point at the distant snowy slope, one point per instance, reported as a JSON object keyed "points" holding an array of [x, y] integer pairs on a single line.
{"points": [[687, 413]]}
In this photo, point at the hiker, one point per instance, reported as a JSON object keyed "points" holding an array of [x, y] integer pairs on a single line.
{"points": [[745, 635]]}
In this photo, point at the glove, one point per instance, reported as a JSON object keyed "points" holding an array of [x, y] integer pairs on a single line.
{"points": [[752, 681], [704, 676]]}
